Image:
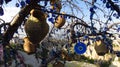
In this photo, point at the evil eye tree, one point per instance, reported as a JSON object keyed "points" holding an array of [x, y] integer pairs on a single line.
{"points": [[82, 19]]}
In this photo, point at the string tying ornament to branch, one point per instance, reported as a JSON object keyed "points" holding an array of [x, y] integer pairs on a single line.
{"points": [[36, 27]]}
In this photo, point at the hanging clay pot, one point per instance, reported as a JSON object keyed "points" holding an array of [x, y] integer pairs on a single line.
{"points": [[100, 48], [36, 27], [60, 21], [28, 46]]}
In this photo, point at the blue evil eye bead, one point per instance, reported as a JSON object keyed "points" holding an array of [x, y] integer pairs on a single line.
{"points": [[17, 5], [51, 10], [51, 20], [110, 18], [85, 37], [104, 1], [22, 3], [53, 15], [27, 1], [94, 7], [1, 11], [65, 16], [108, 5], [80, 48], [115, 14], [118, 29], [48, 15]]}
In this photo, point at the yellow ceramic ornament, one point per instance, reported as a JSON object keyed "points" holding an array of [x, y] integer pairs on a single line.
{"points": [[60, 21], [100, 48], [28, 46]]}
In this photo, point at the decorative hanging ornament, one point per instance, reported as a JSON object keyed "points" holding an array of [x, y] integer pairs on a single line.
{"points": [[22, 3], [100, 48], [80, 48], [28, 46], [36, 27], [1, 11], [60, 21], [27, 1], [17, 5]]}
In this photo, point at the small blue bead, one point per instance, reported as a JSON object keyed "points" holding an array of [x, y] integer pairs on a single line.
{"points": [[80, 48], [17, 5], [22, 3], [1, 11], [27, 1]]}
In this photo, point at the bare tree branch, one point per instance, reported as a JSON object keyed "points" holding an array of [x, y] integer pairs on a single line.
{"points": [[110, 26], [17, 21], [114, 6]]}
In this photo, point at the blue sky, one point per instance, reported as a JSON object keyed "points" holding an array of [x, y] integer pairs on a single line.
{"points": [[81, 4], [11, 11]]}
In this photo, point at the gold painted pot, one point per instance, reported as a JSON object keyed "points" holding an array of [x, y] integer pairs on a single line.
{"points": [[28, 46], [60, 21], [36, 27], [100, 48]]}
